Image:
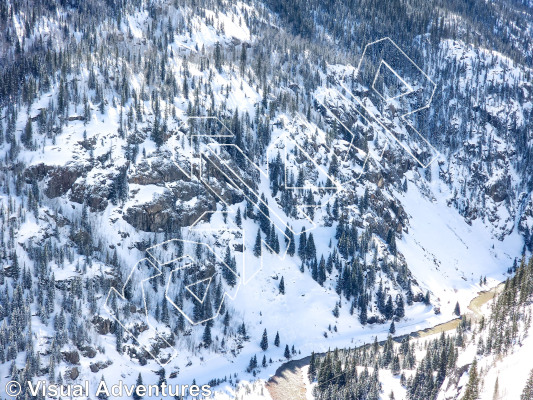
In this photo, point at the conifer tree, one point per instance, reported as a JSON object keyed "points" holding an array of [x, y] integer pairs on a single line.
{"points": [[102, 395], [396, 365], [336, 310], [206, 337], [264, 341], [409, 294], [157, 132], [400, 307], [228, 272], [138, 383], [27, 136], [314, 270], [312, 367], [457, 309], [310, 249], [257, 245], [185, 87], [264, 215], [427, 299], [291, 246], [252, 364], [274, 241], [321, 271], [165, 318], [243, 59], [218, 56], [282, 285], [118, 336], [527, 394], [389, 308], [238, 218], [302, 245], [363, 314], [287, 352], [15, 268], [472, 389]]}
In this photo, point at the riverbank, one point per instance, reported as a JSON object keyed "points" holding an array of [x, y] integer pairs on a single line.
{"points": [[288, 381]]}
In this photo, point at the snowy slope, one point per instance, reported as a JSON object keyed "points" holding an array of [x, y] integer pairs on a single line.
{"points": [[95, 186]]}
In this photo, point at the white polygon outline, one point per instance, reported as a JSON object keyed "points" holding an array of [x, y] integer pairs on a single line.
{"points": [[246, 279], [411, 61], [257, 202], [238, 183], [403, 117], [341, 187], [121, 294], [190, 174], [409, 88], [183, 267], [188, 287], [351, 145]]}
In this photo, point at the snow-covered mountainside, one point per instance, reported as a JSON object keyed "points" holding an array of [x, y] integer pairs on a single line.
{"points": [[200, 191], [482, 359]]}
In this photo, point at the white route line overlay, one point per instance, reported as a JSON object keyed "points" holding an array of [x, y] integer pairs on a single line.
{"points": [[356, 100], [190, 174]]}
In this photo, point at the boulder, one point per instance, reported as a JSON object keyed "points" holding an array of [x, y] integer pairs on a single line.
{"points": [[88, 351], [72, 357], [74, 373], [103, 325], [97, 366]]}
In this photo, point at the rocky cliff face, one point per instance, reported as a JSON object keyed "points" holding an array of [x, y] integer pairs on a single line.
{"points": [[163, 117]]}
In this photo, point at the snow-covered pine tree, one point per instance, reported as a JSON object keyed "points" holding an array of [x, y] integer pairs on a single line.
{"points": [[264, 341]]}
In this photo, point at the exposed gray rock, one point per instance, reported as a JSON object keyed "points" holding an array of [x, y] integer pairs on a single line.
{"points": [[103, 325], [72, 357], [98, 366], [59, 178], [74, 373], [88, 352], [156, 172], [499, 189], [181, 206], [96, 195]]}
